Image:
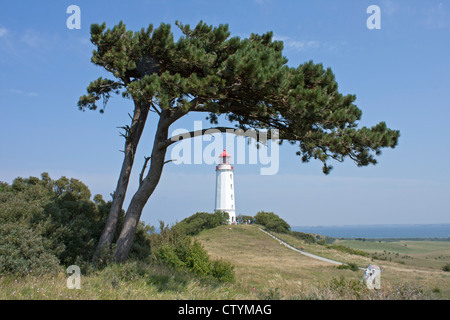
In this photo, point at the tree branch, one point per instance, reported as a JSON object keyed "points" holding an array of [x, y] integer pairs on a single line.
{"points": [[192, 134], [141, 176], [155, 109], [266, 135]]}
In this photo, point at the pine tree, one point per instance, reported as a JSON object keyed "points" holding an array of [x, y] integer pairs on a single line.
{"points": [[206, 70]]}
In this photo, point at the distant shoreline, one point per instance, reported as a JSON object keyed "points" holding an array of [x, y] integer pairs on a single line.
{"points": [[381, 231], [393, 239], [375, 225]]}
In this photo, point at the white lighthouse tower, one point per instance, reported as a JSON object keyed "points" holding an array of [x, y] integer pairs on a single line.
{"points": [[225, 186]]}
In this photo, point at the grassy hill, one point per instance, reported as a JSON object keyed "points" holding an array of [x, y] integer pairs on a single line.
{"points": [[263, 263], [264, 269], [419, 253]]}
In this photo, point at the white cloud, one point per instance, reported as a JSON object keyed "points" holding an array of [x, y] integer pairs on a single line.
{"points": [[298, 45], [33, 39], [3, 32], [302, 45], [436, 17], [23, 93]]}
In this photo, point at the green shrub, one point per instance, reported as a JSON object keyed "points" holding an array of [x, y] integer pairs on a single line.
{"points": [[23, 252], [272, 222], [223, 271], [46, 224], [201, 221], [57, 222], [73, 226], [446, 267], [350, 266], [307, 237], [348, 250], [197, 260], [177, 250], [167, 254]]}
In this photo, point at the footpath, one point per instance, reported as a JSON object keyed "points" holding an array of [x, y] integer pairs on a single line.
{"points": [[300, 251]]}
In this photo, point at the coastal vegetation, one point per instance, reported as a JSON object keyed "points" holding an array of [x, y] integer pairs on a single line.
{"points": [[47, 225]]}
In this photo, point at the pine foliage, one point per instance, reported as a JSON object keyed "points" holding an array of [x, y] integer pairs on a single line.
{"points": [[247, 80]]}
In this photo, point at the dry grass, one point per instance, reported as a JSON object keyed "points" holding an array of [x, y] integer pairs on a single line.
{"points": [[158, 284], [263, 263], [265, 269]]}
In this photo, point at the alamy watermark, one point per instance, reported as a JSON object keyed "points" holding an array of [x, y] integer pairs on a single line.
{"points": [[74, 20], [74, 280], [374, 20], [245, 147]]}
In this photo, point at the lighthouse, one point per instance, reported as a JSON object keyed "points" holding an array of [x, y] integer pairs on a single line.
{"points": [[225, 186]]}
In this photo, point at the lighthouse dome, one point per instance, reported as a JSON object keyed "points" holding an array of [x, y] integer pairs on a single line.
{"points": [[224, 154]]}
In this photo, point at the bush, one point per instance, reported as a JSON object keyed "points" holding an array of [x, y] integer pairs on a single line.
{"points": [[272, 222], [54, 221], [348, 250], [178, 251], [167, 254], [23, 252], [307, 237], [197, 260], [73, 226], [223, 271], [45, 224], [201, 221], [446, 267], [350, 266]]}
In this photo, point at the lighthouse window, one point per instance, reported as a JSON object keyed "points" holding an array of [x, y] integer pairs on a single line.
{"points": [[231, 176], [231, 197], [231, 185]]}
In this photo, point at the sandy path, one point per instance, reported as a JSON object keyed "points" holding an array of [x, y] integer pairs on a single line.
{"points": [[341, 263], [302, 252]]}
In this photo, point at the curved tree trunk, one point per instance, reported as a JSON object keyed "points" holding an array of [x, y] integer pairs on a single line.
{"points": [[133, 135], [140, 198]]}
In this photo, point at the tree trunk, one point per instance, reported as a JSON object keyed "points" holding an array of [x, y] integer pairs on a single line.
{"points": [[131, 142], [140, 198]]}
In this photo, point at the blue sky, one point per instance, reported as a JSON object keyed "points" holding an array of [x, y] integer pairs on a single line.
{"points": [[399, 73]]}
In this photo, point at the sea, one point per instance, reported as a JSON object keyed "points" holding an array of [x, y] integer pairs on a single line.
{"points": [[404, 231]]}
